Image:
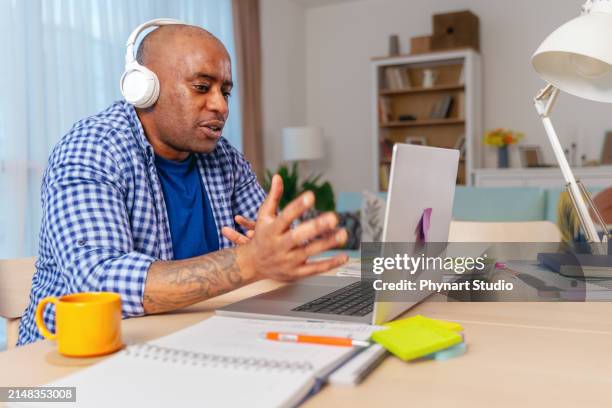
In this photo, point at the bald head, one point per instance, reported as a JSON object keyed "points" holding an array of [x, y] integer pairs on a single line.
{"points": [[161, 41]]}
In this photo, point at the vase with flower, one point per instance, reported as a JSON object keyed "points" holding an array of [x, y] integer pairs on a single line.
{"points": [[502, 138]]}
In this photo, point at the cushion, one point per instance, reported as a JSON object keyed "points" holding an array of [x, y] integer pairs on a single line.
{"points": [[372, 217], [349, 220], [499, 204]]}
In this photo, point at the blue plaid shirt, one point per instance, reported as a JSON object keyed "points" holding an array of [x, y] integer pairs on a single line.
{"points": [[104, 218]]}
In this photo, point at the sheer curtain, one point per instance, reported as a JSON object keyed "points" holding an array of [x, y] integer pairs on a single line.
{"points": [[62, 62], [248, 50]]}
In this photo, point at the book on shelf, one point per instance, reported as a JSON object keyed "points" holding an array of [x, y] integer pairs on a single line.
{"points": [[384, 171], [386, 151], [405, 78], [442, 107], [396, 78], [389, 79], [461, 79], [460, 145], [460, 103], [384, 109]]}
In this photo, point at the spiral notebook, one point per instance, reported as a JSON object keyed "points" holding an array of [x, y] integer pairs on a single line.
{"points": [[222, 361]]}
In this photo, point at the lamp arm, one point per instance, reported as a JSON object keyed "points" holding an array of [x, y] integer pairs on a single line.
{"points": [[545, 100], [543, 103], [595, 210]]}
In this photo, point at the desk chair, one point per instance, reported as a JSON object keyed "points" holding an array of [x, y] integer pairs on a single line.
{"points": [[603, 202], [15, 282], [529, 231]]}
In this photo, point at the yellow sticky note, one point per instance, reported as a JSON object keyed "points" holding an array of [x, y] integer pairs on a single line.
{"points": [[412, 341], [426, 321]]}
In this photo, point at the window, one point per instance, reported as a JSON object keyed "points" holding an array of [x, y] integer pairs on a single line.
{"points": [[65, 61]]}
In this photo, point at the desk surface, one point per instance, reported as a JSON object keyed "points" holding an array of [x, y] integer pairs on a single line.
{"points": [[519, 354]]}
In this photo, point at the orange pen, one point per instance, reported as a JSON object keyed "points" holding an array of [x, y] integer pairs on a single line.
{"points": [[305, 338]]}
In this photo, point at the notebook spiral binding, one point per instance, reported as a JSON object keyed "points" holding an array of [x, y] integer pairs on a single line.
{"points": [[176, 356]]}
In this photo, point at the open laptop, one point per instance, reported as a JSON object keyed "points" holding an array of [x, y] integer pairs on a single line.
{"points": [[421, 177]]}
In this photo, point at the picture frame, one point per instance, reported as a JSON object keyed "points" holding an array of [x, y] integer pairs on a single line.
{"points": [[531, 156], [460, 145], [606, 152], [416, 140]]}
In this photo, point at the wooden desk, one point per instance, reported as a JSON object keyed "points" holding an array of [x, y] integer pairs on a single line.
{"points": [[519, 354]]}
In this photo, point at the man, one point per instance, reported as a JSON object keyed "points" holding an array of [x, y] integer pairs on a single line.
{"points": [[142, 202]]}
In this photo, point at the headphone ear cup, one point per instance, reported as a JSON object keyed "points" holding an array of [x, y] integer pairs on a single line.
{"points": [[139, 86]]}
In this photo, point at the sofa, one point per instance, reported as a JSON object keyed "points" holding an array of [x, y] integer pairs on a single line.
{"points": [[488, 203]]}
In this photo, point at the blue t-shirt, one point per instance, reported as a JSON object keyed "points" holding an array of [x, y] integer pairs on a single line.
{"points": [[192, 224]]}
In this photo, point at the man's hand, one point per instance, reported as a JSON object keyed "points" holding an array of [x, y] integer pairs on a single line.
{"points": [[236, 237], [275, 251], [278, 252]]}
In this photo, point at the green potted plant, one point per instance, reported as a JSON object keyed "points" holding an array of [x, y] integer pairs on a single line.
{"points": [[324, 194]]}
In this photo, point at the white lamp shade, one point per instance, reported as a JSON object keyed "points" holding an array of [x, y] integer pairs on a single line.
{"points": [[302, 143], [577, 57]]}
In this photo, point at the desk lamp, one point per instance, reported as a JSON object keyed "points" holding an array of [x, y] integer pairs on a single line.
{"points": [[302, 144], [577, 58]]}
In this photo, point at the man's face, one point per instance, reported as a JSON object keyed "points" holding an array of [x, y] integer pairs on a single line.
{"points": [[195, 85]]}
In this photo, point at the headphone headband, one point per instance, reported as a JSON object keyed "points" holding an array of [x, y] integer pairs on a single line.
{"points": [[158, 22]]}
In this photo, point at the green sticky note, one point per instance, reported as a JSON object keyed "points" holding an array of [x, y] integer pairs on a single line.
{"points": [[426, 321], [413, 341]]}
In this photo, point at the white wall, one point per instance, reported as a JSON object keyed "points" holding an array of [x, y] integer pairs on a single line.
{"points": [[283, 72], [340, 39]]}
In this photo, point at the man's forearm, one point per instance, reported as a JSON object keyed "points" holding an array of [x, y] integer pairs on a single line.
{"points": [[172, 285]]}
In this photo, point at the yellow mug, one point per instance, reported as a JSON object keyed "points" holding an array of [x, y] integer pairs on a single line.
{"points": [[86, 324]]}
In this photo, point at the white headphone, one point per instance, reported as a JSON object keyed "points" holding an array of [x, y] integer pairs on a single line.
{"points": [[139, 85]]}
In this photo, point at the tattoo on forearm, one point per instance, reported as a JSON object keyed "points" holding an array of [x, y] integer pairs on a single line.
{"points": [[174, 284]]}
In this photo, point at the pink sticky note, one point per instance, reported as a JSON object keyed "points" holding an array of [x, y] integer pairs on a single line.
{"points": [[422, 231]]}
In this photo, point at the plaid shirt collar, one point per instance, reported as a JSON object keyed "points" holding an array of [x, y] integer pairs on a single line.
{"points": [[143, 142]]}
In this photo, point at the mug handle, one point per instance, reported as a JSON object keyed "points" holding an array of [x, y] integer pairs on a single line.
{"points": [[40, 323]]}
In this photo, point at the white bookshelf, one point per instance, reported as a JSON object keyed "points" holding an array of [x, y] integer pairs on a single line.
{"points": [[597, 176], [464, 118]]}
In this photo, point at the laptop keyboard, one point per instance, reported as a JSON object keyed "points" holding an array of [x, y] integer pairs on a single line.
{"points": [[356, 299]]}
